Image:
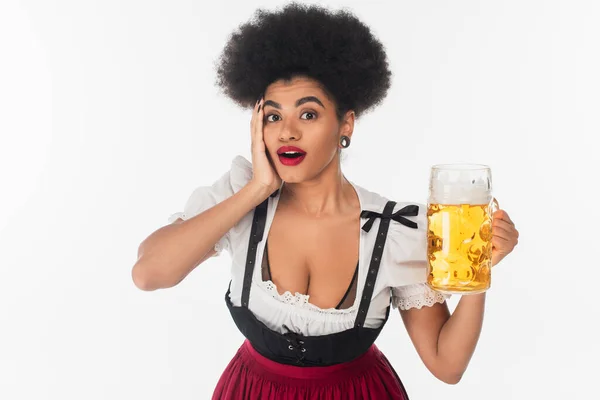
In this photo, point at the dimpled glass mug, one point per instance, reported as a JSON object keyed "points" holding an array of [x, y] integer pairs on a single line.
{"points": [[459, 228]]}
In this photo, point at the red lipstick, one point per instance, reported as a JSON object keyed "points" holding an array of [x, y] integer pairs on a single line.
{"points": [[290, 155]]}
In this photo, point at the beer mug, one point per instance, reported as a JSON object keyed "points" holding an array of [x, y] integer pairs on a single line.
{"points": [[459, 228]]}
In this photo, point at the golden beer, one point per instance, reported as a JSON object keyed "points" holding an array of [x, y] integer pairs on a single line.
{"points": [[459, 247], [459, 228]]}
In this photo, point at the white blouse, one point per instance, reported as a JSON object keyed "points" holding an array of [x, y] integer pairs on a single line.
{"points": [[402, 272]]}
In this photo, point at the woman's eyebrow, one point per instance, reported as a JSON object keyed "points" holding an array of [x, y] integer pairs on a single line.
{"points": [[299, 102]]}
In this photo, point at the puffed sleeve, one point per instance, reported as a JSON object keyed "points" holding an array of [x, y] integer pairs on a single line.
{"points": [[205, 197], [406, 269]]}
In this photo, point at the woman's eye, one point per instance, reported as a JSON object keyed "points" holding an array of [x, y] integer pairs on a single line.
{"points": [[275, 118], [312, 114]]}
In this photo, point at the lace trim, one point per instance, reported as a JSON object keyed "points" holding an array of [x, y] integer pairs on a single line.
{"points": [[301, 300], [297, 299], [173, 217], [218, 248], [419, 300]]}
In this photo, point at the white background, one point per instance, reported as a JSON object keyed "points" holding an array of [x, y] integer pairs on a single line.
{"points": [[109, 118]]}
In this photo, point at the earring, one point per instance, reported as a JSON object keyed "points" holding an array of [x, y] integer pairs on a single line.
{"points": [[345, 141]]}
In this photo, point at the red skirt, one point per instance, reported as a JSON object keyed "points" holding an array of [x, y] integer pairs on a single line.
{"points": [[251, 376]]}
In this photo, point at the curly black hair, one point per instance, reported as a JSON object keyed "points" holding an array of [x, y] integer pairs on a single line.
{"points": [[334, 48]]}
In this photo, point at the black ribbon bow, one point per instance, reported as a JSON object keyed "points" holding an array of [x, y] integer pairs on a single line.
{"points": [[411, 210]]}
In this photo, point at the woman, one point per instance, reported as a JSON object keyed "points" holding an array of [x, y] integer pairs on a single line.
{"points": [[332, 256]]}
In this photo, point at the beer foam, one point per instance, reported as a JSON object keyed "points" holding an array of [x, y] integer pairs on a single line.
{"points": [[474, 193], [460, 184]]}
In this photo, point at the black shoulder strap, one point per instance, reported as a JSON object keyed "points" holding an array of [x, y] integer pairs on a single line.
{"points": [[256, 235], [367, 293]]}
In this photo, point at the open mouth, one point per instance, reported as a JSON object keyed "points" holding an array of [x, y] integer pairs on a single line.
{"points": [[291, 154]]}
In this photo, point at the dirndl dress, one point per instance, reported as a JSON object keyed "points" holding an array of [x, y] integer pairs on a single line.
{"points": [[289, 366]]}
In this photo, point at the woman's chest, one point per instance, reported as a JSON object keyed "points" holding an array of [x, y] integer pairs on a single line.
{"points": [[316, 257]]}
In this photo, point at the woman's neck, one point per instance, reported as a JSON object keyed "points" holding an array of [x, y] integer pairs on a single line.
{"points": [[328, 194]]}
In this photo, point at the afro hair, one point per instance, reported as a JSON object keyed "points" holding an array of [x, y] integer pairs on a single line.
{"points": [[334, 48]]}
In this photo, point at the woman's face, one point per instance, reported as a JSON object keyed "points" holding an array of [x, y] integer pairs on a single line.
{"points": [[301, 129]]}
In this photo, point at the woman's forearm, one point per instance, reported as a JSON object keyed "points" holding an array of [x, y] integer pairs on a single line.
{"points": [[459, 335], [171, 252]]}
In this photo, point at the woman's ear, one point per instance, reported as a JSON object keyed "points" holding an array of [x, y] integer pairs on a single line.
{"points": [[347, 124]]}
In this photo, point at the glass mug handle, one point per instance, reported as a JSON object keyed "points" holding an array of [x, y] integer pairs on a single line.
{"points": [[494, 206]]}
